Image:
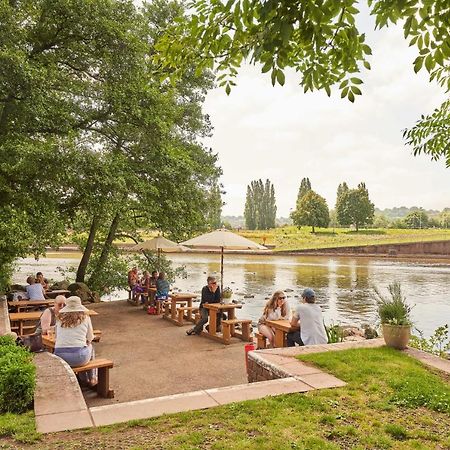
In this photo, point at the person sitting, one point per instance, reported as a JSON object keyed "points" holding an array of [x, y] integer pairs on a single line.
{"points": [[48, 317], [210, 294], [74, 335], [162, 287], [309, 316], [40, 279], [276, 308], [145, 283], [35, 291], [134, 284], [154, 278]]}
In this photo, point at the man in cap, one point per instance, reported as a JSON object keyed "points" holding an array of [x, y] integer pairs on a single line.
{"points": [[309, 316]]}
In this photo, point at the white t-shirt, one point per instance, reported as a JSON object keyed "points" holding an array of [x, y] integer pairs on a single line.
{"points": [[312, 329], [35, 291], [273, 315], [76, 336]]}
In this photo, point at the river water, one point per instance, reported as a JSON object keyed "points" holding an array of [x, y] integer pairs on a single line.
{"points": [[343, 285]]}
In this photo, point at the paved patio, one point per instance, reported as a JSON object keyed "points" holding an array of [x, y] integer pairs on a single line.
{"points": [[154, 358]]}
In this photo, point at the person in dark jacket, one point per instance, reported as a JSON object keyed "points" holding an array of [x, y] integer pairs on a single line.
{"points": [[210, 294]]}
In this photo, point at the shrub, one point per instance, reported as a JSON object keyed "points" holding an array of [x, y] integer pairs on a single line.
{"points": [[394, 310], [335, 334], [17, 377]]}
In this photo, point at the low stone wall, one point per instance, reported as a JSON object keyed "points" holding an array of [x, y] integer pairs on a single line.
{"points": [[259, 369], [430, 249], [274, 363]]}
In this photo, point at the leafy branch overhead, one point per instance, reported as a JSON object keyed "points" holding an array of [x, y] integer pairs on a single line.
{"points": [[321, 41]]}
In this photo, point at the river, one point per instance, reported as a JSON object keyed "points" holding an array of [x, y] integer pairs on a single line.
{"points": [[343, 285]]}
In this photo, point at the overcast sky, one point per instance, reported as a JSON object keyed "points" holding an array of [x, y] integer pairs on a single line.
{"points": [[280, 133]]}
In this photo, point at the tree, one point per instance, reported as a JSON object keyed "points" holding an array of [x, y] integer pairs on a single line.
{"points": [[312, 210], [89, 137], [305, 187], [417, 219], [260, 205], [342, 188], [214, 211], [353, 207], [321, 41]]}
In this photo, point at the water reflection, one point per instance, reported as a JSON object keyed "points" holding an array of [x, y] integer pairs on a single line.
{"points": [[343, 285]]}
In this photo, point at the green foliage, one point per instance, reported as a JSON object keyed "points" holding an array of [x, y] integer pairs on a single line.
{"points": [[214, 207], [438, 344], [321, 41], [394, 310], [227, 292], [260, 205], [417, 219], [353, 206], [312, 210], [305, 187], [335, 333], [91, 139], [17, 377]]}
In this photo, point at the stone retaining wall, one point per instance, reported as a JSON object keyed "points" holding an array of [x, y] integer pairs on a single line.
{"points": [[430, 249]]}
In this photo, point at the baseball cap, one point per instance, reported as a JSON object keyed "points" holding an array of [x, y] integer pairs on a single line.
{"points": [[308, 293]]}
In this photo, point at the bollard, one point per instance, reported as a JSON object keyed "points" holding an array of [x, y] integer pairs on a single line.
{"points": [[248, 348]]}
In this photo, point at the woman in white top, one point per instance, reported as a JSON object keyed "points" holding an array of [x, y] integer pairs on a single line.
{"points": [[276, 308], [74, 334]]}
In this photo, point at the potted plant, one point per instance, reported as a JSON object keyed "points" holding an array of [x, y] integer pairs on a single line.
{"points": [[395, 317], [226, 295]]}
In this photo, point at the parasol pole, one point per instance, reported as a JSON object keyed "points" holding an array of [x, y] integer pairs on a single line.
{"points": [[159, 259], [221, 275]]}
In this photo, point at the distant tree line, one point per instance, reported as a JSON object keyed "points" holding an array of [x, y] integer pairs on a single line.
{"points": [[353, 208]]}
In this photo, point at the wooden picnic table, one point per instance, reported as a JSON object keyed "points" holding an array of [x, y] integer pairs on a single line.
{"points": [[179, 299], [27, 304], [214, 309], [281, 327], [21, 317], [48, 340], [56, 292]]}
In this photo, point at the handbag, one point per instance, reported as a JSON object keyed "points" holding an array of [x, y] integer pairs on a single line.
{"points": [[151, 310], [32, 342]]}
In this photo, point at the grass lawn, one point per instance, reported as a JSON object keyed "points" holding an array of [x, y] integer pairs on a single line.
{"points": [[292, 238], [391, 402]]}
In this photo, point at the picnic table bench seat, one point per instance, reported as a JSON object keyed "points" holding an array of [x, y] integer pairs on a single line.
{"points": [[103, 366], [261, 341], [186, 309], [228, 329]]}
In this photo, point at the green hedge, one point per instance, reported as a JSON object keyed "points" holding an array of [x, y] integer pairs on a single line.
{"points": [[17, 376]]}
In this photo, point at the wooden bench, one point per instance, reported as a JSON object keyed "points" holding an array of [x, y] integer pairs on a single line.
{"points": [[228, 330], [261, 341], [103, 366], [186, 309]]}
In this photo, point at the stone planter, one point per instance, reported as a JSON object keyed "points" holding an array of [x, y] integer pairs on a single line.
{"points": [[396, 336]]}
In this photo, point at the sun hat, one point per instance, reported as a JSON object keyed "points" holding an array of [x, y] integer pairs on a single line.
{"points": [[73, 304], [308, 293]]}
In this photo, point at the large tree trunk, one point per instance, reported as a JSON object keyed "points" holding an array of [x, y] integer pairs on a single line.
{"points": [[81, 272], [106, 248]]}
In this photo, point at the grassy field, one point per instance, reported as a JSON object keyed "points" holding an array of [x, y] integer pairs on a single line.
{"points": [[292, 238], [390, 402]]}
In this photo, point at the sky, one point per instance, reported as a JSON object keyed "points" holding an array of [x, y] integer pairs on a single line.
{"points": [[282, 134]]}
